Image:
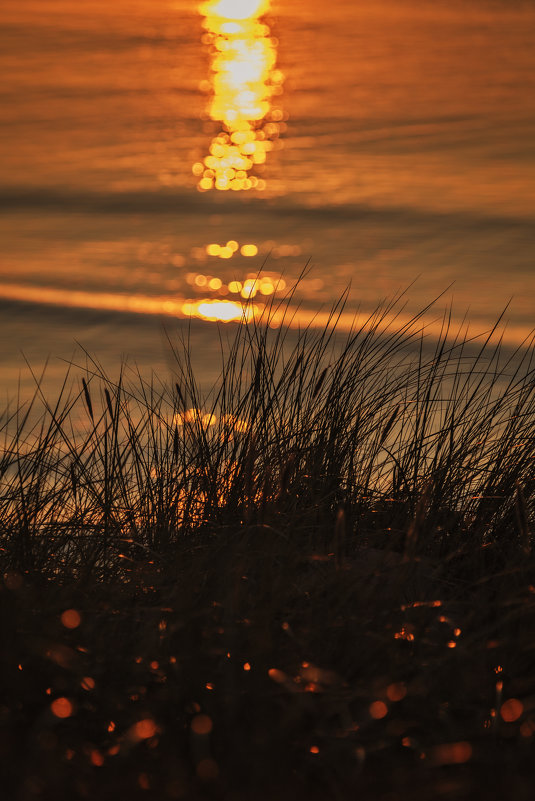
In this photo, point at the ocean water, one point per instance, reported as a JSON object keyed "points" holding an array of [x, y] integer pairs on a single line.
{"points": [[394, 144]]}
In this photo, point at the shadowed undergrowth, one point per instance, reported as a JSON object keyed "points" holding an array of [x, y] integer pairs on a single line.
{"points": [[317, 576]]}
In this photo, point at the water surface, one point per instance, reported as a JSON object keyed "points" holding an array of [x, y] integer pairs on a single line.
{"points": [[402, 147]]}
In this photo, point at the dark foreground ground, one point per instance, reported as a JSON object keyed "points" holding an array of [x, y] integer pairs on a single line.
{"points": [[244, 666]]}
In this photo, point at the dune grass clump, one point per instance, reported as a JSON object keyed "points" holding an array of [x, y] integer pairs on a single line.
{"points": [[314, 577]]}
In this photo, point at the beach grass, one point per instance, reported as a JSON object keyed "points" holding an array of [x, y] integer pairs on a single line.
{"points": [[314, 579]]}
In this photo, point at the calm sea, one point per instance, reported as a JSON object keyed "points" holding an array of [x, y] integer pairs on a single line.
{"points": [[388, 143]]}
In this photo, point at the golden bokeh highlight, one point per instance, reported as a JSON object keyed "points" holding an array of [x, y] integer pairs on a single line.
{"points": [[511, 710], [71, 618], [234, 10], [197, 418], [145, 729], [62, 707], [404, 633], [96, 758], [243, 82], [378, 710], [227, 250], [224, 311]]}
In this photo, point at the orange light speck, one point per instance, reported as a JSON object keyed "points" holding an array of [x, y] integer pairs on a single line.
{"points": [[88, 683], [201, 724], [154, 665], [209, 685], [247, 666], [314, 749], [404, 634], [62, 707], [111, 726], [511, 710], [378, 710], [71, 618]]}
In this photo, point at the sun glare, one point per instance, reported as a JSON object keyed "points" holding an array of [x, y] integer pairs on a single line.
{"points": [[243, 82], [234, 9]]}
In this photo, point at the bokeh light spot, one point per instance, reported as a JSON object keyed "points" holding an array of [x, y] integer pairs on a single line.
{"points": [[62, 707], [201, 724], [378, 710], [144, 729], [396, 691], [71, 618], [511, 710]]}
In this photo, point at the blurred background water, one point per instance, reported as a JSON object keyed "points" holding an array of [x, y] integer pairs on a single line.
{"points": [[394, 142]]}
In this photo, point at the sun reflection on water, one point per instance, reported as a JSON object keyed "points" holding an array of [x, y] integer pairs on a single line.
{"points": [[243, 83], [224, 311]]}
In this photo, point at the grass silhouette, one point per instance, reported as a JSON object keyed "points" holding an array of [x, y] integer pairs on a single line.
{"points": [[314, 579]]}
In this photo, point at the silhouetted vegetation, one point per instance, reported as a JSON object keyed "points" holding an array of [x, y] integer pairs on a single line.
{"points": [[315, 580]]}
